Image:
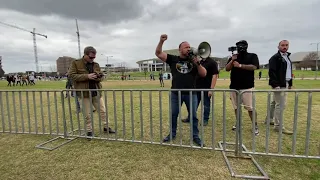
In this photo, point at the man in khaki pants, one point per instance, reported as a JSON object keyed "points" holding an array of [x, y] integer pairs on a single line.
{"points": [[280, 77], [86, 74], [242, 67]]}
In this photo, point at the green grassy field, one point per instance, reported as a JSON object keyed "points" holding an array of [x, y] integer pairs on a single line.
{"points": [[101, 159], [223, 74]]}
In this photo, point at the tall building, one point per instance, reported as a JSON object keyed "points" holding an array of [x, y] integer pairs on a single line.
{"points": [[63, 63]]}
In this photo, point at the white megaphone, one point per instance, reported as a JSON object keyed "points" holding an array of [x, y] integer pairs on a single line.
{"points": [[203, 50]]}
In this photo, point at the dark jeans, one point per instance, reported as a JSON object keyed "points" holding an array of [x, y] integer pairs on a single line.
{"points": [[206, 105], [185, 98]]}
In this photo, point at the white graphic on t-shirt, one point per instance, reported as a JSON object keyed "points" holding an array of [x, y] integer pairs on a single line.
{"points": [[184, 67]]}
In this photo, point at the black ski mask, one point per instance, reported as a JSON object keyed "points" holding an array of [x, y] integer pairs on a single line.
{"points": [[242, 46]]}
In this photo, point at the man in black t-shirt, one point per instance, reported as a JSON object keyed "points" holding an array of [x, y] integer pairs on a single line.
{"points": [[208, 82], [242, 67], [184, 72]]}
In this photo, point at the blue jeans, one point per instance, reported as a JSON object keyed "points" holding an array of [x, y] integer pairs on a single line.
{"points": [[206, 105], [185, 98]]}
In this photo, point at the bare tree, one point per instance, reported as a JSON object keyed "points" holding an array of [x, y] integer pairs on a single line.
{"points": [[309, 61], [53, 68], [123, 66]]}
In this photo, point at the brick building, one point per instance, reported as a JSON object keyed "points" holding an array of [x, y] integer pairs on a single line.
{"points": [[63, 63]]}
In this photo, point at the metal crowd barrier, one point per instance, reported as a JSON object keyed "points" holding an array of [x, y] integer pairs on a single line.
{"points": [[295, 116], [144, 116]]}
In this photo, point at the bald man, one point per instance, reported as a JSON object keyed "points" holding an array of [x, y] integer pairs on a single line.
{"points": [[184, 72], [280, 77]]}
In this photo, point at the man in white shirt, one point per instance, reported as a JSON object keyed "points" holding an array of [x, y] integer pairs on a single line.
{"points": [[18, 79], [280, 77], [31, 79]]}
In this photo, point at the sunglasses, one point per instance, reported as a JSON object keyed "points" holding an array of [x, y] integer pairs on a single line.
{"points": [[92, 57]]}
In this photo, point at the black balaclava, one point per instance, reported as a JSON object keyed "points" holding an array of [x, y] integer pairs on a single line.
{"points": [[242, 46]]}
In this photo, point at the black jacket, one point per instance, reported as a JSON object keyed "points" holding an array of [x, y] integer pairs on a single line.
{"points": [[277, 71]]}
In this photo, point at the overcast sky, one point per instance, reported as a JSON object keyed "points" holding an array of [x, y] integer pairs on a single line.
{"points": [[129, 30]]}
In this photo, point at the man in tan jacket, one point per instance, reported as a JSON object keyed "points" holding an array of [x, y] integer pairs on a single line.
{"points": [[86, 74]]}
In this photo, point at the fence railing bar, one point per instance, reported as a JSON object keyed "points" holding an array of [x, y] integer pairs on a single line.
{"points": [[141, 117], [49, 113], [123, 115], [21, 112], [105, 94], [170, 117], [28, 112], [295, 123], [307, 145], [2, 113], [191, 116], [90, 113], [132, 116], [213, 120], [268, 123], [8, 112], [35, 111], [253, 121], [14, 111], [180, 118], [98, 109], [42, 115], [239, 149], [78, 110], [151, 116], [64, 121], [56, 111], [160, 114], [201, 116], [224, 128], [70, 110], [282, 105], [84, 113]]}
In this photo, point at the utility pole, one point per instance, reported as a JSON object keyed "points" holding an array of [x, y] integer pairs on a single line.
{"points": [[316, 73], [107, 62], [34, 33], [78, 34]]}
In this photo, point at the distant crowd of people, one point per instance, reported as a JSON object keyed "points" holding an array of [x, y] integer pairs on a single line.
{"points": [[25, 79], [15, 80]]}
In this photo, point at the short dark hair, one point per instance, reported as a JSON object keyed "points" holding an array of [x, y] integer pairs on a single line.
{"points": [[282, 41], [89, 49]]}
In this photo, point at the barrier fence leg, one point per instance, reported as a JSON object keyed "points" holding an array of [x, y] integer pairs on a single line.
{"points": [[66, 139], [239, 147]]}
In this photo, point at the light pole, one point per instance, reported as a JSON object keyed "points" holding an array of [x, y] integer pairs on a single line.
{"points": [[107, 61], [317, 43]]}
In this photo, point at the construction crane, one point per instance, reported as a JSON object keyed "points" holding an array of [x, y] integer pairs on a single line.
{"points": [[34, 33], [78, 34]]}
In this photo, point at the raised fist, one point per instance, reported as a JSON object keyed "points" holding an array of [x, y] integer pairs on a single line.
{"points": [[163, 37]]}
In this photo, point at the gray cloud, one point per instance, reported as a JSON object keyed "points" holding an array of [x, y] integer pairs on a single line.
{"points": [[108, 12], [129, 38]]}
